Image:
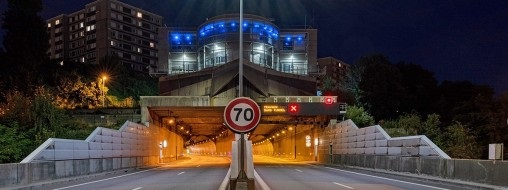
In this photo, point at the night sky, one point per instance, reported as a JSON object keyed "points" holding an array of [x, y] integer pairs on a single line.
{"points": [[456, 40]]}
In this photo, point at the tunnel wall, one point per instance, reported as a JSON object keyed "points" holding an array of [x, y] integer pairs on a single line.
{"points": [[287, 144]]}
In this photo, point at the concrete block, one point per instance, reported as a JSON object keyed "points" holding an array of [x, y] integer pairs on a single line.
{"points": [[351, 151], [360, 131], [360, 144], [81, 167], [359, 151], [60, 171], [126, 146], [351, 139], [410, 151], [106, 139], [370, 130], [395, 143], [360, 138], [116, 140], [42, 171], [97, 138], [107, 146], [370, 137], [116, 134], [95, 146], [64, 145], [381, 151], [409, 164], [411, 142], [9, 174], [95, 153], [117, 146], [83, 145], [126, 135], [381, 143], [394, 150], [380, 136], [426, 151], [351, 133], [344, 135], [81, 154], [370, 151], [46, 155], [64, 154], [369, 144], [351, 145], [106, 132]]}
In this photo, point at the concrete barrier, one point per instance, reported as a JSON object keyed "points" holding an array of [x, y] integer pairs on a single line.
{"points": [[26, 173], [489, 172]]}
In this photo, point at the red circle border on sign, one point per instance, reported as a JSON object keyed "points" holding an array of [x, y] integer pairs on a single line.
{"points": [[249, 127]]}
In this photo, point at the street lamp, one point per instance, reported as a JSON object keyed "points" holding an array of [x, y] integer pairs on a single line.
{"points": [[102, 90]]}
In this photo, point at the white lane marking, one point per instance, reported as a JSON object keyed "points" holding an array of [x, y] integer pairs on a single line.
{"points": [[342, 185], [298, 170], [181, 173], [384, 178], [103, 179], [137, 188]]}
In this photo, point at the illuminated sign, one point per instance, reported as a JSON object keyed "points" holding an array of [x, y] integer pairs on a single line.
{"points": [[274, 109], [293, 108], [328, 100]]}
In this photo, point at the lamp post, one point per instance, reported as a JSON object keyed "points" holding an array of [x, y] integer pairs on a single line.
{"points": [[102, 90]]}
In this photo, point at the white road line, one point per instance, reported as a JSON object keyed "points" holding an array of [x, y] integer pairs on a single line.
{"points": [[103, 179], [384, 178], [298, 170], [137, 188], [180, 173], [342, 185]]}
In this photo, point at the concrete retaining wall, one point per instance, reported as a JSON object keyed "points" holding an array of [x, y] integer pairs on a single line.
{"points": [[479, 171], [27, 173]]}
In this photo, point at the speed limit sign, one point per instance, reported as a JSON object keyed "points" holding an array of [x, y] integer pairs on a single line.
{"points": [[242, 115]]}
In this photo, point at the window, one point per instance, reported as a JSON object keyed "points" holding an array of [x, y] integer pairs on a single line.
{"points": [[49, 25], [112, 43], [113, 6], [57, 22], [81, 24], [139, 50], [91, 9], [90, 28], [82, 59], [140, 15], [152, 44], [82, 33]]}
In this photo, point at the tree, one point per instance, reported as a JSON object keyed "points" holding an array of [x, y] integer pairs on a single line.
{"points": [[461, 142], [350, 83], [359, 116], [26, 44], [420, 87], [15, 143], [382, 87]]}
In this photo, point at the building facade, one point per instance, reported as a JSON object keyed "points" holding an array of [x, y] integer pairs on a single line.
{"points": [[106, 28]]}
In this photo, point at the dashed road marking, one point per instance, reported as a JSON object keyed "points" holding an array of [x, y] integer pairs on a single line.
{"points": [[180, 173], [342, 185]]}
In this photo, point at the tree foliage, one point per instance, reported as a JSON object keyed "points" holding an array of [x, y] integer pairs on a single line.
{"points": [[359, 116], [26, 44]]}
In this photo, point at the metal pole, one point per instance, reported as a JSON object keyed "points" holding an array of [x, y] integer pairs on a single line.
{"points": [[295, 141], [240, 60], [242, 175]]}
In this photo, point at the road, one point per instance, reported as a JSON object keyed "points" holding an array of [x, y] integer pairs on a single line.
{"points": [[196, 172], [206, 172], [280, 174]]}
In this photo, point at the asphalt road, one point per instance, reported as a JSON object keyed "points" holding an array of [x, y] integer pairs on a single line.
{"points": [[206, 172], [281, 174], [197, 172]]}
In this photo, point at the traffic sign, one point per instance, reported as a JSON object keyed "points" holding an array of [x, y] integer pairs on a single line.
{"points": [[242, 115]]}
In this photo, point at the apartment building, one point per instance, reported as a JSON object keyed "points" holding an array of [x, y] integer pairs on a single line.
{"points": [[104, 28]]}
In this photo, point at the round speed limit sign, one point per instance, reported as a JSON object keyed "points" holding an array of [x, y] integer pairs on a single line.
{"points": [[242, 115]]}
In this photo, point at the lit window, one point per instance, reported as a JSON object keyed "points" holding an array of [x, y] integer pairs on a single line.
{"points": [[139, 50], [81, 33], [82, 59], [87, 28], [81, 25], [112, 43], [140, 15], [152, 44], [57, 22], [49, 25]]}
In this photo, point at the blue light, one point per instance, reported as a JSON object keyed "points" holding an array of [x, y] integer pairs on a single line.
{"points": [[233, 24], [245, 24], [176, 37], [288, 38], [187, 37], [202, 33], [299, 38], [256, 25], [222, 25]]}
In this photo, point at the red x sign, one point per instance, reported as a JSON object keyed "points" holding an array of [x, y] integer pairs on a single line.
{"points": [[293, 108]]}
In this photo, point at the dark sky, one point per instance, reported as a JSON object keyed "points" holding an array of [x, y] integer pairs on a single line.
{"points": [[456, 40]]}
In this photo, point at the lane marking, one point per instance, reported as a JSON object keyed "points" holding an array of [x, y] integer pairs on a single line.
{"points": [[342, 185], [298, 170], [103, 179], [384, 178], [180, 173], [137, 188], [198, 166]]}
